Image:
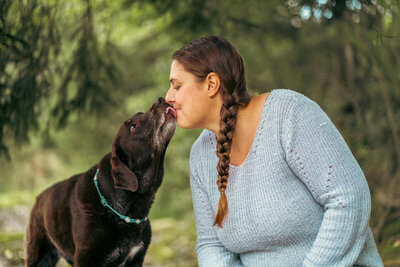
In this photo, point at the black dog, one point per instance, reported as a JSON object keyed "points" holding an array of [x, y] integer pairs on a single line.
{"points": [[99, 218]]}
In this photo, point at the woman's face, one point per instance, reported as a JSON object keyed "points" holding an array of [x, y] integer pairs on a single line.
{"points": [[189, 98]]}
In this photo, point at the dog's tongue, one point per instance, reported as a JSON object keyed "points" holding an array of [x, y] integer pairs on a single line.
{"points": [[172, 110]]}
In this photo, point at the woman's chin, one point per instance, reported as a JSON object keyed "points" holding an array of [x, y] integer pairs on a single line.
{"points": [[181, 124], [185, 125]]}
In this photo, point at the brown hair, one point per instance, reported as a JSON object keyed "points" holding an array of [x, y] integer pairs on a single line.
{"points": [[215, 54]]}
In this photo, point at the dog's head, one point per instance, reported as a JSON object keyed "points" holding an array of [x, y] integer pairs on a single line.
{"points": [[139, 142]]}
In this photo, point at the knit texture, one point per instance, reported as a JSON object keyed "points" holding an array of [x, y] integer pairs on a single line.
{"points": [[299, 198]]}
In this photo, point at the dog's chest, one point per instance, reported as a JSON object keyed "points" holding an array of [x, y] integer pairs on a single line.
{"points": [[126, 251]]}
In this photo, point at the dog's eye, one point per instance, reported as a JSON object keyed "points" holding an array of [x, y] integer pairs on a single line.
{"points": [[132, 127]]}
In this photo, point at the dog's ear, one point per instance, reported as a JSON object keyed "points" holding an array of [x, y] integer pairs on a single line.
{"points": [[123, 177]]}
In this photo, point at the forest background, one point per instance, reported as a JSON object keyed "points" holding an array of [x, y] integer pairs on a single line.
{"points": [[72, 71]]}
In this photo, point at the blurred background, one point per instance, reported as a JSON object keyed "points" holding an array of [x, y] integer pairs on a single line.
{"points": [[72, 71]]}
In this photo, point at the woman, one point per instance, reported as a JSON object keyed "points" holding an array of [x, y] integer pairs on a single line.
{"points": [[296, 194]]}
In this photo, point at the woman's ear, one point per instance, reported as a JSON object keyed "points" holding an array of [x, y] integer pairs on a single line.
{"points": [[213, 83]]}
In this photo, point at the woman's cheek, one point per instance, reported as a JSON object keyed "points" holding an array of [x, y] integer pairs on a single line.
{"points": [[179, 118]]}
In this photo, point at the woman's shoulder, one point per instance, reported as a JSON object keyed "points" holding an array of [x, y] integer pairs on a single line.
{"points": [[293, 103], [295, 110], [288, 96]]}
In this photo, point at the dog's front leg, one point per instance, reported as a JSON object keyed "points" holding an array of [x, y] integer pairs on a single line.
{"points": [[137, 259]]}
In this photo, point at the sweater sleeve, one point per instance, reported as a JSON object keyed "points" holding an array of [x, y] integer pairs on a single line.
{"points": [[319, 156], [210, 251]]}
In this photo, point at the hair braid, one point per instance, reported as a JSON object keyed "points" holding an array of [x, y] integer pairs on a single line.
{"points": [[216, 54], [227, 126]]}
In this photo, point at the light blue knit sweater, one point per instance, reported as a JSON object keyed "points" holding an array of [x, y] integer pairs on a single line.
{"points": [[299, 198]]}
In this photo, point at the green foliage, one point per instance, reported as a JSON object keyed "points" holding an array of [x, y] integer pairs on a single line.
{"points": [[34, 43], [72, 71]]}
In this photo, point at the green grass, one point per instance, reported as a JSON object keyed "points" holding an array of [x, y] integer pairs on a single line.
{"points": [[10, 199], [10, 237], [11, 249], [173, 243], [390, 251]]}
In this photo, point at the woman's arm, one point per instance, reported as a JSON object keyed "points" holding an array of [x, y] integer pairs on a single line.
{"points": [[317, 153], [210, 252]]}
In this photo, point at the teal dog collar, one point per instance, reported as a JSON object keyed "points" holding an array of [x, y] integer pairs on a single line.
{"points": [[105, 204]]}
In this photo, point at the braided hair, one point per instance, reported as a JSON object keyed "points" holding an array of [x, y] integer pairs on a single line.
{"points": [[215, 54]]}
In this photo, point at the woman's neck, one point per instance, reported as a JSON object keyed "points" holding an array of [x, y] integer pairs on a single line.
{"points": [[243, 114]]}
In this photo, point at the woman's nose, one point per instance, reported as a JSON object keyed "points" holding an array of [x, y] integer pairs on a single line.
{"points": [[169, 97]]}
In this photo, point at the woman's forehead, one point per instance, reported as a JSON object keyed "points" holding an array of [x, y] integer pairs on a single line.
{"points": [[178, 73], [176, 70]]}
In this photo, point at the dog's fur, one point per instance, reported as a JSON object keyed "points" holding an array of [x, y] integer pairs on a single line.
{"points": [[68, 218]]}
